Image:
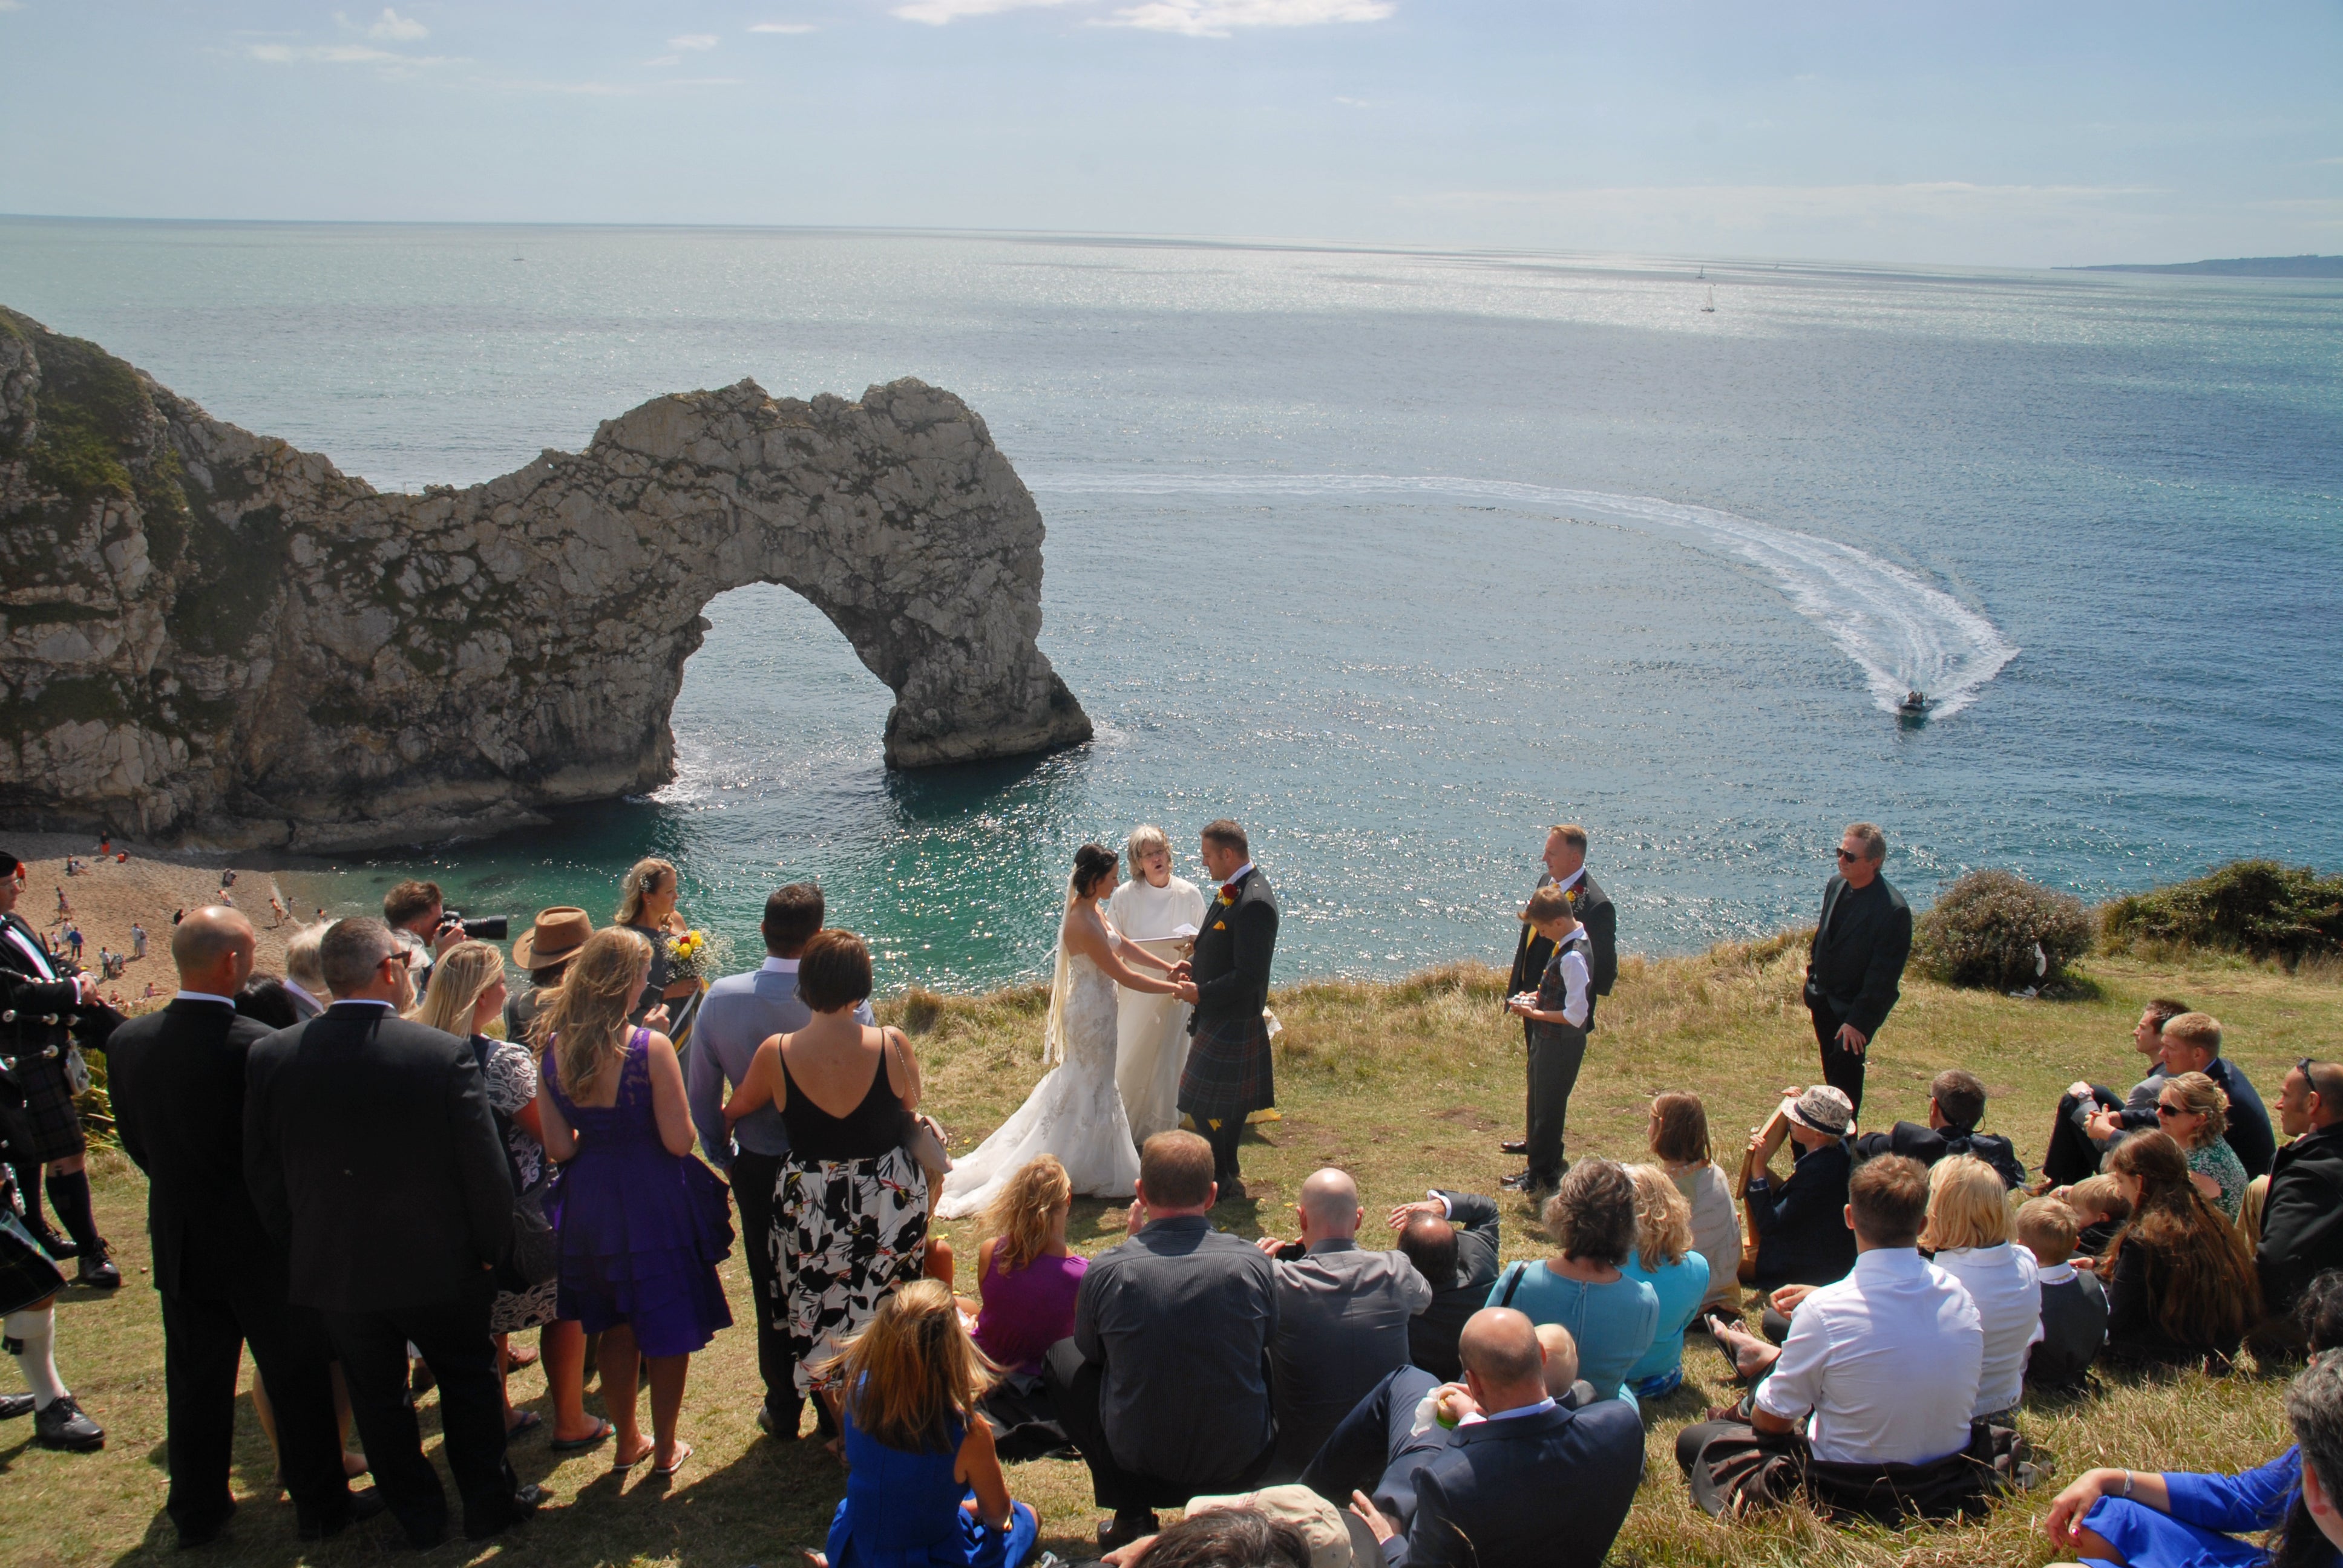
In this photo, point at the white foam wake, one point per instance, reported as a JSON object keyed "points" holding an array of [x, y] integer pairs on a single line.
{"points": [[1901, 631]]}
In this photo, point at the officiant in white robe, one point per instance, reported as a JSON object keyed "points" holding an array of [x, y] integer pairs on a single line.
{"points": [[1161, 913]]}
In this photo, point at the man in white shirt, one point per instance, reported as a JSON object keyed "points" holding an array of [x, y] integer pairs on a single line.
{"points": [[1887, 1362]]}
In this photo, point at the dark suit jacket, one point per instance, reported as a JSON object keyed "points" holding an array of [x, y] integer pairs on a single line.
{"points": [[1433, 1332], [2302, 1219], [1856, 965], [1930, 1144], [34, 1000], [1801, 1225], [1233, 951], [177, 1081], [1544, 1491], [1594, 911], [369, 1147]]}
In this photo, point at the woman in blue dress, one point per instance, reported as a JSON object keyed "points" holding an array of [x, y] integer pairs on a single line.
{"points": [[923, 1486], [643, 1224]]}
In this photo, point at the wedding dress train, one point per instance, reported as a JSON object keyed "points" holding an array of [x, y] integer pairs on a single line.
{"points": [[1075, 1113]]}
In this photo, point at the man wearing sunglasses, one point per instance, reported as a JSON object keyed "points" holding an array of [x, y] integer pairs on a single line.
{"points": [[1854, 970], [2302, 1218]]}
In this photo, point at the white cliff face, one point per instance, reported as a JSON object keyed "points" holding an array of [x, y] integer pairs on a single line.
{"points": [[206, 634]]}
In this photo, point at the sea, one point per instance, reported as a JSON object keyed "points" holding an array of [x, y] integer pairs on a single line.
{"points": [[1396, 556]]}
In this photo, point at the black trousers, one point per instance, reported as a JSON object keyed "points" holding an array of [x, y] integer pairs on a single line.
{"points": [[454, 1339], [1075, 1384], [1842, 1068], [755, 1178], [202, 1341], [1556, 1053], [2072, 1156], [1372, 1450]]}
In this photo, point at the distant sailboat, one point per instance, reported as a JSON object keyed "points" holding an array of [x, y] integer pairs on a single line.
{"points": [[1710, 308], [1701, 275]]}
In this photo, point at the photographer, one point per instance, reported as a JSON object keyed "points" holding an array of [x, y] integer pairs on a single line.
{"points": [[418, 916]]}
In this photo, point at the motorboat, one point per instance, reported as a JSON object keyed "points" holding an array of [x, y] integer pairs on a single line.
{"points": [[1914, 706]]}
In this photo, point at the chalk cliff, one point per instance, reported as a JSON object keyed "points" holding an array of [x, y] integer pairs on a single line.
{"points": [[207, 634]]}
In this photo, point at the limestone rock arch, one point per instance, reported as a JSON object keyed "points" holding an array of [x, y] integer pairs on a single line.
{"points": [[206, 634]]}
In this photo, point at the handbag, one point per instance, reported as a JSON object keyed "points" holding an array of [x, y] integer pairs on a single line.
{"points": [[535, 1259]]}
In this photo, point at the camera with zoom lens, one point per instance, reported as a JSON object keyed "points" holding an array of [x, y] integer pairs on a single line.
{"points": [[487, 929]]}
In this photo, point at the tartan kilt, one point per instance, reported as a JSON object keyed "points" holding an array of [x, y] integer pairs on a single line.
{"points": [[48, 1117], [1228, 1070], [26, 1273]]}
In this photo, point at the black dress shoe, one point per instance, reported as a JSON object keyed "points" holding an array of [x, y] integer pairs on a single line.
{"points": [[62, 1425], [1125, 1529], [1514, 1146], [12, 1406], [523, 1503], [54, 1245], [100, 1272]]}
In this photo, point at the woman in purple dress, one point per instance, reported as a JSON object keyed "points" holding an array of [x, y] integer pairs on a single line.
{"points": [[643, 1223]]}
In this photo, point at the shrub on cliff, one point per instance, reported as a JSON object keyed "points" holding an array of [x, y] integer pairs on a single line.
{"points": [[1996, 930], [2255, 907]]}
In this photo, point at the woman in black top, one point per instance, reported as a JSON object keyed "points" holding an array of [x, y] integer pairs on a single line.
{"points": [[2181, 1285], [646, 905], [849, 1204]]}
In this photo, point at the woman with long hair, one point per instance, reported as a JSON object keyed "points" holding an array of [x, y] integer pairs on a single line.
{"points": [[1665, 1260], [1968, 1229], [1591, 1219], [2195, 1112], [647, 906], [923, 1483], [2181, 1285], [1678, 1139], [643, 1223], [1026, 1276], [1075, 1113]]}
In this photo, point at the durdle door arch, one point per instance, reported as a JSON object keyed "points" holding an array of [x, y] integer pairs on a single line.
{"points": [[210, 636]]}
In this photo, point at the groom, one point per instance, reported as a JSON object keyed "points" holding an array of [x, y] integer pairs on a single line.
{"points": [[1228, 1072]]}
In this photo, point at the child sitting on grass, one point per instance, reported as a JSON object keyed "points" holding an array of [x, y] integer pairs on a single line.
{"points": [[2074, 1304], [2100, 1210]]}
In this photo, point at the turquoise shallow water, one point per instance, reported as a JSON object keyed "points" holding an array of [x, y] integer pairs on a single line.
{"points": [[1396, 557]]}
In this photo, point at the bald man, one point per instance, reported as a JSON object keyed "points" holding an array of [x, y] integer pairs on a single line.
{"points": [[177, 1078], [1342, 1318]]}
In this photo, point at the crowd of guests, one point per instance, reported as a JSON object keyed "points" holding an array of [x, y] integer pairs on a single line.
{"points": [[382, 1169]]}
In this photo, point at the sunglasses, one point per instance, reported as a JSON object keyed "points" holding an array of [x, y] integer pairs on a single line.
{"points": [[2163, 1109], [1845, 855]]}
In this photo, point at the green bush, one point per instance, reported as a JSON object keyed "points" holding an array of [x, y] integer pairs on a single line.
{"points": [[1985, 929], [2255, 907]]}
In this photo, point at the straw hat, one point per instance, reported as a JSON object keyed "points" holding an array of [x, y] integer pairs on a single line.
{"points": [[1822, 1109], [556, 933]]}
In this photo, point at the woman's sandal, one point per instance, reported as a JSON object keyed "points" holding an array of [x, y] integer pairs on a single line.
{"points": [[522, 1421], [580, 1444], [682, 1453]]}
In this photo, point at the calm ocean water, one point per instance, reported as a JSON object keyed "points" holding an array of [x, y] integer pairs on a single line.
{"points": [[1396, 557]]}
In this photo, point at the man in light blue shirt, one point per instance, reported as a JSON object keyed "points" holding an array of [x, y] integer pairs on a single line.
{"points": [[739, 1013]]}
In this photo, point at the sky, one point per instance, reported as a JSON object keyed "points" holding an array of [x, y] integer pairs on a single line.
{"points": [[1981, 133]]}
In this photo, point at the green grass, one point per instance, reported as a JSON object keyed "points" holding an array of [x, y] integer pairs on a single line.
{"points": [[1406, 1085]]}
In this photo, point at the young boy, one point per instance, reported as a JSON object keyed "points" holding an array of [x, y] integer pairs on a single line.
{"points": [[2074, 1304], [1557, 1013], [2100, 1209]]}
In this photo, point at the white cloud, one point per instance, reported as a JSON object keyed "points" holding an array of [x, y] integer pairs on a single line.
{"points": [[12, 4], [937, 13], [692, 41], [392, 26], [1354, 103], [783, 27], [1219, 18], [620, 89], [342, 54]]}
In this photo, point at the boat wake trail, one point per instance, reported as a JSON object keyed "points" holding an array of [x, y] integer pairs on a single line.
{"points": [[1900, 630]]}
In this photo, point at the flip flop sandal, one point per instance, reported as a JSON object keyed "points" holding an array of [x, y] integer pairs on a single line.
{"points": [[522, 1421], [682, 1453], [516, 1360], [580, 1444]]}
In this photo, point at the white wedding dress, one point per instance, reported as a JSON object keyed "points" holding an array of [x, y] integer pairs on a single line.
{"points": [[1075, 1113]]}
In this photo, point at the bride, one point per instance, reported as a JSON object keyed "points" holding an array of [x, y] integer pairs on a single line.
{"points": [[1075, 1113]]}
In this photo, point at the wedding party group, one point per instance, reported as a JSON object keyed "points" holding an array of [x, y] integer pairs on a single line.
{"points": [[377, 1171]]}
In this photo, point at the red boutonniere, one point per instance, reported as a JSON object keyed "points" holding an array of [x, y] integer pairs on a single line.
{"points": [[1228, 892]]}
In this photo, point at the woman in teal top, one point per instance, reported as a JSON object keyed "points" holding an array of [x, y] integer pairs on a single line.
{"points": [[1664, 1259], [2194, 1111], [1614, 1318]]}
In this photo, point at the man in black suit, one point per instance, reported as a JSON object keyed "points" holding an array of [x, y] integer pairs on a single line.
{"points": [[1565, 868], [1955, 1105], [1491, 1499], [1452, 1240], [369, 1147], [177, 1081], [1854, 970], [1228, 1074]]}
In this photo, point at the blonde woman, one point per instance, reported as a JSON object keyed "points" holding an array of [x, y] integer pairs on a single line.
{"points": [[1665, 1260], [1025, 1274], [1968, 1231], [923, 1481], [646, 907], [2194, 1111], [1151, 910], [643, 1224]]}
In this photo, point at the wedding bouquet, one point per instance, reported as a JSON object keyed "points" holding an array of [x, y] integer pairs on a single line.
{"points": [[693, 956]]}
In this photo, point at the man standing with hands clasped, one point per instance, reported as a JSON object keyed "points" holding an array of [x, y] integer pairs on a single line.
{"points": [[1228, 1074], [1590, 906], [1855, 966]]}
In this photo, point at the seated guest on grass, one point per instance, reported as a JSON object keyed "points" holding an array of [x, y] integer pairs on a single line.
{"points": [[1886, 1361], [1490, 1499], [1221, 1537], [1678, 1139], [1663, 1259], [1968, 1232], [2075, 1147], [1026, 1277], [2101, 1208], [1612, 1318], [2302, 1218], [1800, 1225], [1341, 1317], [1452, 1238], [2192, 1109], [1163, 1386], [2150, 1519], [2074, 1304], [1956, 1106], [923, 1484], [2192, 1043], [2181, 1288]]}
